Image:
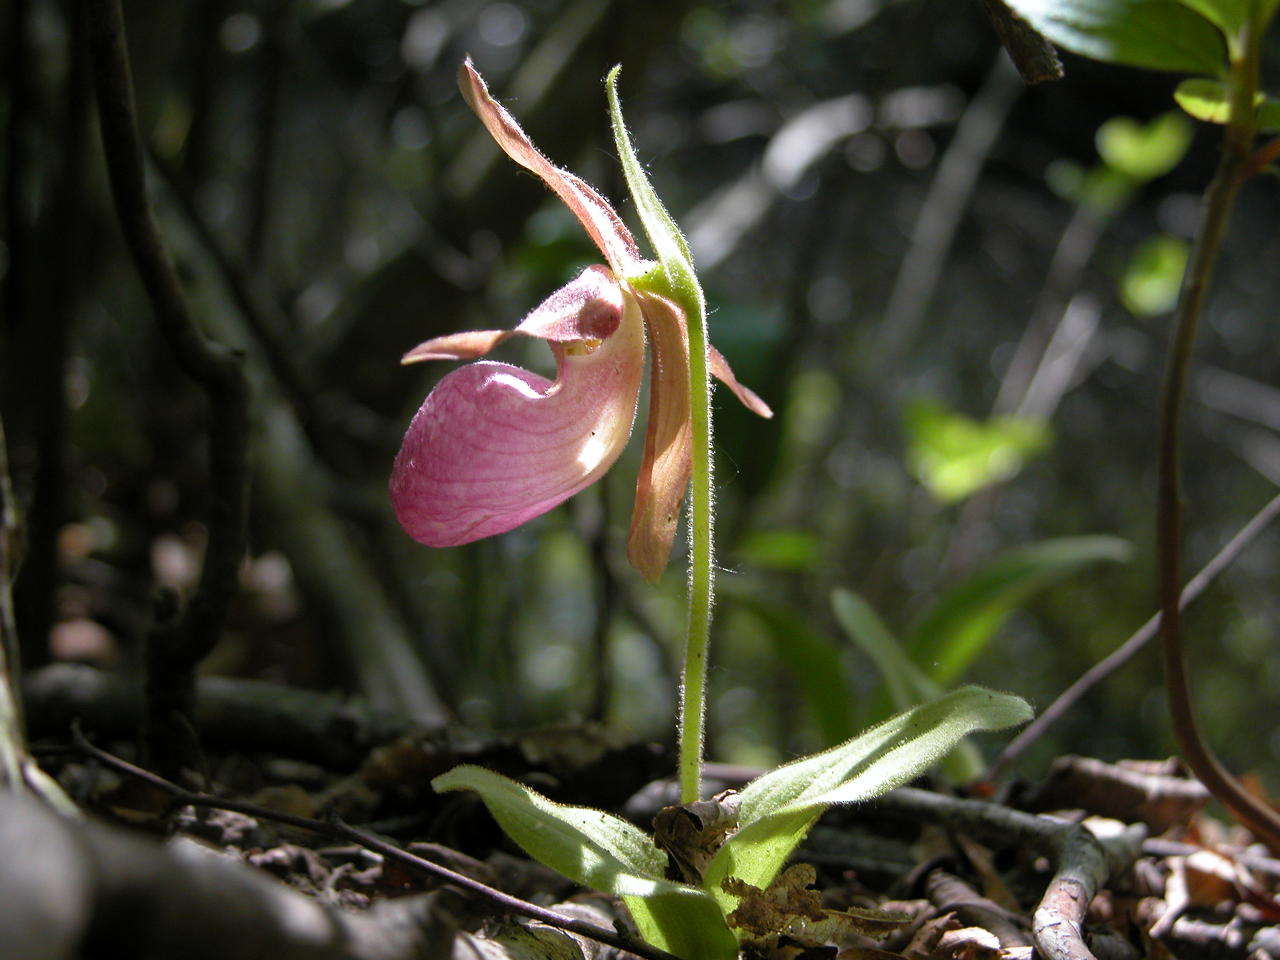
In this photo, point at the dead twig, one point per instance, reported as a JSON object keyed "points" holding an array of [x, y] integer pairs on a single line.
{"points": [[1081, 861]]}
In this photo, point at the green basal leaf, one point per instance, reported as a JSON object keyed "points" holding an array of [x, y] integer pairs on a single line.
{"points": [[590, 847], [758, 851], [1154, 34], [957, 628], [1153, 278], [686, 926], [780, 807], [1228, 15], [604, 852], [659, 226], [1204, 99], [908, 685], [1144, 151]]}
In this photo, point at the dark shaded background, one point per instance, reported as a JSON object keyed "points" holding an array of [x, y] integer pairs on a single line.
{"points": [[331, 203]]}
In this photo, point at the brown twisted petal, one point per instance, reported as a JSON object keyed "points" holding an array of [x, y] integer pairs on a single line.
{"points": [[593, 211], [664, 468]]}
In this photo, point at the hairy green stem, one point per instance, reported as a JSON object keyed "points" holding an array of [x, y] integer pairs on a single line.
{"points": [[701, 565], [1233, 167], [678, 281]]}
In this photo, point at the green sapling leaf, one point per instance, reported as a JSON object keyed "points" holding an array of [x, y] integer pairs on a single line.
{"points": [[780, 807], [955, 456], [1227, 15], [1204, 99], [1155, 34], [1144, 151], [1153, 277], [1269, 115], [1210, 101]]}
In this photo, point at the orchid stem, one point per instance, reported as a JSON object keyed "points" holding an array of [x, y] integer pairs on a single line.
{"points": [[679, 281], [701, 566]]}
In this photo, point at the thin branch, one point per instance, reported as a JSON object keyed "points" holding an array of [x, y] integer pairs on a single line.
{"points": [[217, 369], [1129, 649], [339, 830], [1257, 816]]}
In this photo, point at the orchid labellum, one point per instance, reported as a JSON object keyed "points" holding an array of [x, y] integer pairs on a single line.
{"points": [[495, 445]]}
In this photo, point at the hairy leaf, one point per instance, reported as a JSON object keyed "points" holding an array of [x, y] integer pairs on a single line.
{"points": [[780, 807], [590, 847]]}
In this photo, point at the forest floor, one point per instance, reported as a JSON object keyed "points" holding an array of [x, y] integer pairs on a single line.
{"points": [[269, 853]]}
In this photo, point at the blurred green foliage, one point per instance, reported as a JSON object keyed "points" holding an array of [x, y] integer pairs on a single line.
{"points": [[320, 152]]}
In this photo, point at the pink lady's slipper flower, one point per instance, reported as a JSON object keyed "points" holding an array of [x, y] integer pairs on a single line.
{"points": [[494, 445]]}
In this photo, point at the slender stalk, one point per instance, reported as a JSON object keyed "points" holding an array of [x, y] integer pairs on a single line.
{"points": [[1233, 167], [679, 281], [701, 566]]}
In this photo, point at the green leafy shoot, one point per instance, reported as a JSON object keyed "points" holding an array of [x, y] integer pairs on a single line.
{"points": [[599, 850], [955, 630], [907, 684], [1132, 153], [812, 660]]}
